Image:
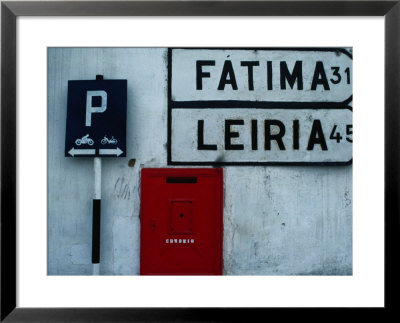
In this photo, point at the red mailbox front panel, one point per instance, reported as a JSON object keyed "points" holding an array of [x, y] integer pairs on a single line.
{"points": [[181, 221]]}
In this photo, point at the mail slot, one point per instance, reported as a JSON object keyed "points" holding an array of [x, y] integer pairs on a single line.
{"points": [[181, 221]]}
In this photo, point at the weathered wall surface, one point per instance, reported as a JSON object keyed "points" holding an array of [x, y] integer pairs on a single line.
{"points": [[278, 220]]}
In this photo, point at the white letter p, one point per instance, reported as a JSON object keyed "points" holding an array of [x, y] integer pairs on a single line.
{"points": [[90, 109]]}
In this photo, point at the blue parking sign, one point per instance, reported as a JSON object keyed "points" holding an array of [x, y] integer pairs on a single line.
{"points": [[96, 118]]}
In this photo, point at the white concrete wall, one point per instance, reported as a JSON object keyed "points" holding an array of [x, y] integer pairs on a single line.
{"points": [[277, 220]]}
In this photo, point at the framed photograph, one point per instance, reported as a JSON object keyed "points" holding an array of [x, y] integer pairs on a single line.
{"points": [[192, 160]]}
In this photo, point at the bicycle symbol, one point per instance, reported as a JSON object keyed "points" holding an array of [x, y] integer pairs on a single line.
{"points": [[84, 140], [112, 140]]}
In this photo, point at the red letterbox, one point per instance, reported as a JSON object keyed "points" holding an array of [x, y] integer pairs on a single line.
{"points": [[181, 221]]}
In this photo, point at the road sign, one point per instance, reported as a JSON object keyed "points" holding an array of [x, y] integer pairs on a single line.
{"points": [[260, 106], [267, 75], [96, 118], [262, 136]]}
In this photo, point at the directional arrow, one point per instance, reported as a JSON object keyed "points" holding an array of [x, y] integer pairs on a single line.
{"points": [[115, 151], [74, 152]]}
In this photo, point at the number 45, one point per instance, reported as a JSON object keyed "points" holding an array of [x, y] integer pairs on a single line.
{"points": [[336, 135]]}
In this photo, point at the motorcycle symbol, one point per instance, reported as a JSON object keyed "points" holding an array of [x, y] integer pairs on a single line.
{"points": [[112, 140], [84, 140]]}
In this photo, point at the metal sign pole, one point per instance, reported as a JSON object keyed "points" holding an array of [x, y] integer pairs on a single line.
{"points": [[96, 216]]}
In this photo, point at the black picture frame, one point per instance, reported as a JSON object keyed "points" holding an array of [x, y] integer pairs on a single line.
{"points": [[10, 10]]}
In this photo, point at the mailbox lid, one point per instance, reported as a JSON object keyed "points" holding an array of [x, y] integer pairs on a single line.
{"points": [[181, 221]]}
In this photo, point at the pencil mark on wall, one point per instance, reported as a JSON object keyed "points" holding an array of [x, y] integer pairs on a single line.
{"points": [[121, 189]]}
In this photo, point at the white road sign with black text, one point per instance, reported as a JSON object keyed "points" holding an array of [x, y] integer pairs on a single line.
{"points": [[262, 135], [261, 75], [260, 106]]}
